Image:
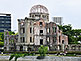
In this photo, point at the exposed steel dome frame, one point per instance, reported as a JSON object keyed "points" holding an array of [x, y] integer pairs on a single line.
{"points": [[38, 9]]}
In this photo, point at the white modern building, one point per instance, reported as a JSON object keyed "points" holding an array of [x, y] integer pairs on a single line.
{"points": [[58, 20]]}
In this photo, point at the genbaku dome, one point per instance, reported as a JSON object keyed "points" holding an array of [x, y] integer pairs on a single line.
{"points": [[36, 30]]}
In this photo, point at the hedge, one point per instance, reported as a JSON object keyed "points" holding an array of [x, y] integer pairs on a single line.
{"points": [[1, 44]]}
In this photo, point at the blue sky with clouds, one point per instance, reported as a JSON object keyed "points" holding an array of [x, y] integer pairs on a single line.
{"points": [[70, 10]]}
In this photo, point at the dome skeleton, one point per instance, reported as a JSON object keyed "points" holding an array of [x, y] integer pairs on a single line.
{"points": [[39, 9]]}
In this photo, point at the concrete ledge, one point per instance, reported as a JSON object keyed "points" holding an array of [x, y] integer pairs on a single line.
{"points": [[47, 58]]}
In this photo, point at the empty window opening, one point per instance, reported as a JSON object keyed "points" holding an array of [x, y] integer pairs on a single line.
{"points": [[47, 17], [49, 30], [43, 16], [32, 15], [47, 39], [41, 31], [53, 40], [30, 30], [59, 39], [33, 39], [40, 23], [55, 29], [23, 39], [33, 30], [23, 30], [30, 39], [62, 41], [30, 23], [41, 41], [21, 48]]}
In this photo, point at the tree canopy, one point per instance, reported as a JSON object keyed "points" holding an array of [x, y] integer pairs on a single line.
{"points": [[74, 35]]}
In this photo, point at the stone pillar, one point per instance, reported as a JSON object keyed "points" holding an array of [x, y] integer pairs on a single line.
{"points": [[18, 48], [80, 48], [24, 48], [7, 48], [7, 40], [77, 48], [62, 47], [70, 47], [58, 47], [18, 31], [48, 48]]}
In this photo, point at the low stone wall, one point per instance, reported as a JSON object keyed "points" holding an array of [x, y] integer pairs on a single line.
{"points": [[69, 47], [47, 58]]}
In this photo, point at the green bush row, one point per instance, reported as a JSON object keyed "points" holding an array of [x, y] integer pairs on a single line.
{"points": [[20, 52], [74, 52], [49, 52], [36, 52]]}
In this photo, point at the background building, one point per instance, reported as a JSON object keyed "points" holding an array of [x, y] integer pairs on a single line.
{"points": [[5, 22], [58, 20]]}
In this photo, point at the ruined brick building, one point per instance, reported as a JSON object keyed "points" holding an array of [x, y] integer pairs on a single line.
{"points": [[36, 30]]}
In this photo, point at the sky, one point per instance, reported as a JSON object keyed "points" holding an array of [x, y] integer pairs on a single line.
{"points": [[70, 10]]}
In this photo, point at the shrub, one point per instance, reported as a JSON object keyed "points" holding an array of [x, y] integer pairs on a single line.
{"points": [[43, 50]]}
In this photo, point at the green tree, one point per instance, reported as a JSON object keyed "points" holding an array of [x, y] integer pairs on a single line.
{"points": [[11, 33], [79, 38], [73, 34], [65, 28], [16, 33], [2, 36]]}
